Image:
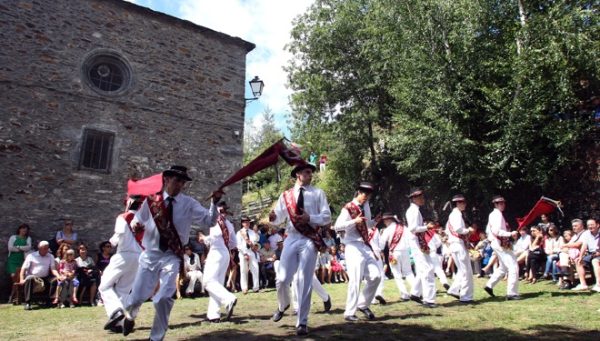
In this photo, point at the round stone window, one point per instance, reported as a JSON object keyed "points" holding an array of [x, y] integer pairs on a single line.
{"points": [[107, 72]]}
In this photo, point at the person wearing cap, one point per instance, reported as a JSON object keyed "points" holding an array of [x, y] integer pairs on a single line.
{"points": [[397, 240], [38, 268], [419, 235], [499, 238], [119, 275], [166, 219], [246, 238], [361, 259], [304, 208], [458, 232], [220, 240]]}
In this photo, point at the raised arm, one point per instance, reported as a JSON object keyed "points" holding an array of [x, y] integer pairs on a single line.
{"points": [[202, 216]]}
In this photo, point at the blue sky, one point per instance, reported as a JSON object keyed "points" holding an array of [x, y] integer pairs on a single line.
{"points": [[266, 23]]}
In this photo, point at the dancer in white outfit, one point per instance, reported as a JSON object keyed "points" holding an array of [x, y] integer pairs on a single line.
{"points": [[436, 260], [246, 238], [118, 276], [500, 239], [421, 251], [166, 218], [221, 239], [458, 232], [397, 239], [306, 209], [361, 260], [376, 244]]}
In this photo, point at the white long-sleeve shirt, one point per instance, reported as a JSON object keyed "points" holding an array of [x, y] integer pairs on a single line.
{"points": [[215, 237], [458, 226], [241, 241], [497, 227], [388, 234], [123, 238], [414, 222], [375, 240], [186, 211], [344, 222], [188, 266], [315, 205]]}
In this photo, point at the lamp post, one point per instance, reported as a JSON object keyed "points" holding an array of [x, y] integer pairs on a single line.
{"points": [[256, 85]]}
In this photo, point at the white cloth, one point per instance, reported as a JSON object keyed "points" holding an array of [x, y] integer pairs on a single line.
{"points": [[118, 277], [361, 264], [274, 239], [590, 240], [299, 254], [193, 272], [507, 261], [424, 266], [463, 280], [215, 269], [522, 244], [39, 266], [317, 288], [345, 223]]}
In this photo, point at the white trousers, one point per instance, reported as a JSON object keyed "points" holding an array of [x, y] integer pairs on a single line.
{"points": [[160, 267], [194, 276], [437, 268], [317, 288], [215, 269], [117, 280], [425, 278], [299, 256], [402, 269], [252, 265], [463, 280], [361, 264], [507, 263]]}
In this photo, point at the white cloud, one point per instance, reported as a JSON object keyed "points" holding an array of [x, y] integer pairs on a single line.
{"points": [[267, 23]]}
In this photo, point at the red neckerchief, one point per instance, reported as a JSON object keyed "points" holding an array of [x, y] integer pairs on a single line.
{"points": [[305, 229]]}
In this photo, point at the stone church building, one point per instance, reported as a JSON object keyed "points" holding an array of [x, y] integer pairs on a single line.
{"points": [[98, 91]]}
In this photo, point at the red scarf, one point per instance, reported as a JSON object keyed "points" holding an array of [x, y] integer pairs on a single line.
{"points": [[361, 227], [424, 238], [224, 229], [398, 232], [166, 228], [304, 229], [463, 237], [139, 235]]}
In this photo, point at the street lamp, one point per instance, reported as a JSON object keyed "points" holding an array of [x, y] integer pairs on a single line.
{"points": [[256, 85]]}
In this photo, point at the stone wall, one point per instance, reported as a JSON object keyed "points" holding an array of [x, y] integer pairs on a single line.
{"points": [[185, 106]]}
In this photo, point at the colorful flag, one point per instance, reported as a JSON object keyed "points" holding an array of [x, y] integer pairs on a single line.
{"points": [[543, 206], [146, 186]]}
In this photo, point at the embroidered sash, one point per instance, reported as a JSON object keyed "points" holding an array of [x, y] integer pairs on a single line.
{"points": [[224, 229], [463, 237], [398, 232], [138, 235], [372, 233], [424, 238], [505, 242], [361, 227], [166, 228], [304, 229]]}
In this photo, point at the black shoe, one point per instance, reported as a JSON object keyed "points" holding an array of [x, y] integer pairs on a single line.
{"points": [[490, 291], [128, 326], [279, 314], [115, 317], [454, 295], [117, 329], [217, 320], [230, 307], [381, 300], [327, 304], [352, 318], [27, 306], [368, 313], [429, 305], [416, 299], [301, 330], [446, 286], [513, 298]]}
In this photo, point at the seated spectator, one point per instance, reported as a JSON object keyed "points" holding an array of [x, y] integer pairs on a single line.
{"points": [[87, 274], [564, 262], [488, 258], [37, 271], [339, 274], [60, 253], [18, 245], [262, 230], [341, 257], [102, 261], [521, 247], [572, 249], [589, 256], [66, 291], [536, 255], [193, 270], [552, 248], [276, 237], [329, 241], [266, 265], [199, 247], [545, 224], [67, 235], [324, 262]]}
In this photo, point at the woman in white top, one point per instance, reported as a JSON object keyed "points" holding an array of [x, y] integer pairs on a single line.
{"points": [[552, 246]]}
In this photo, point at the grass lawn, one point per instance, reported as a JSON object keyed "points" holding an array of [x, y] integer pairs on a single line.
{"points": [[545, 313]]}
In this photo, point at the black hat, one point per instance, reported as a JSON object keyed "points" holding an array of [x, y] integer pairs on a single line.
{"points": [[389, 215], [178, 171], [415, 192], [365, 186], [301, 167], [245, 218], [458, 197], [497, 198]]}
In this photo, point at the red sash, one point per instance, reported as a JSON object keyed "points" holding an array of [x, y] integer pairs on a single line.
{"points": [[463, 237], [304, 229], [165, 227], [372, 233], [505, 242], [424, 238], [224, 229], [398, 232], [139, 235], [361, 227]]}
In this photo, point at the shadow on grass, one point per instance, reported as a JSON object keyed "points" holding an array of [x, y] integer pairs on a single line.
{"points": [[572, 293], [394, 331]]}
